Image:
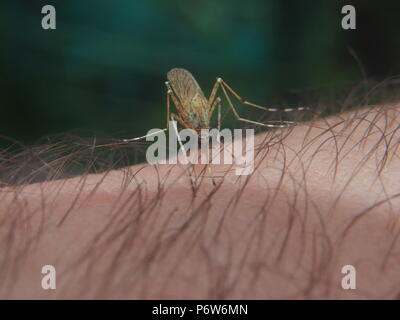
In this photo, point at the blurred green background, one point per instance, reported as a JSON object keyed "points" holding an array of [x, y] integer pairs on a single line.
{"points": [[103, 68]]}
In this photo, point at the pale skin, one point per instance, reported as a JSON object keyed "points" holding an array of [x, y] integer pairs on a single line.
{"points": [[314, 203]]}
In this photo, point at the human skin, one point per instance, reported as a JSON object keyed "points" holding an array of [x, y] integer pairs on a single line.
{"points": [[324, 194]]}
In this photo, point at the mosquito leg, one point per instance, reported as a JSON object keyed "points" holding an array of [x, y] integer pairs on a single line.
{"points": [[177, 103], [271, 124], [216, 102], [174, 117], [143, 137], [191, 170], [214, 90], [219, 123], [220, 83], [225, 85], [169, 94], [212, 102]]}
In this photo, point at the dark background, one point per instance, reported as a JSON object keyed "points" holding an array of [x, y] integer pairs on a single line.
{"points": [[103, 68]]}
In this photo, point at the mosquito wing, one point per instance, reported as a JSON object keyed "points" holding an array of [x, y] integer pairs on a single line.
{"points": [[184, 85]]}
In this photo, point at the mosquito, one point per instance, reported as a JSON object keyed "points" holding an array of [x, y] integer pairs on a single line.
{"points": [[195, 110]]}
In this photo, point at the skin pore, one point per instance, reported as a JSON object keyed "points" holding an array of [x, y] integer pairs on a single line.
{"points": [[324, 194]]}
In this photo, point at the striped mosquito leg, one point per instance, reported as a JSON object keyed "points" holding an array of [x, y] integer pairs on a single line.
{"points": [[225, 85], [271, 124], [175, 100]]}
